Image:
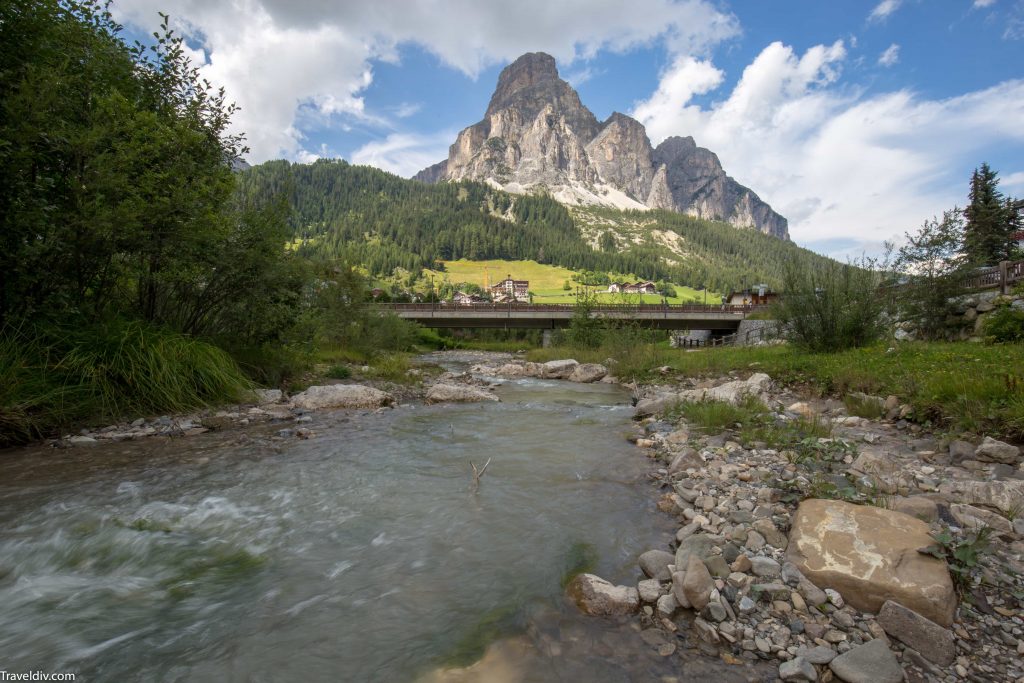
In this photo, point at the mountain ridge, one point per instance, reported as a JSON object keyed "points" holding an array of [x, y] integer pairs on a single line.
{"points": [[536, 134]]}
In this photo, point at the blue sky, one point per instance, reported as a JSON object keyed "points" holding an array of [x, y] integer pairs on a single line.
{"points": [[856, 120]]}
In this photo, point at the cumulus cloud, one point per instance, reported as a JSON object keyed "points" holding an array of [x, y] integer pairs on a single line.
{"points": [[981, 4], [890, 56], [883, 9], [1012, 183], [834, 160], [287, 62]]}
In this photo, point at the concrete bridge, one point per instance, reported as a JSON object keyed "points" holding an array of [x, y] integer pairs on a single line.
{"points": [[720, 318]]}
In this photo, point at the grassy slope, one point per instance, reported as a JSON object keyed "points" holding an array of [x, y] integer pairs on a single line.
{"points": [[956, 386], [546, 281]]}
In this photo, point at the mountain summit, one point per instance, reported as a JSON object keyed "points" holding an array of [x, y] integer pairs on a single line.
{"points": [[537, 134]]}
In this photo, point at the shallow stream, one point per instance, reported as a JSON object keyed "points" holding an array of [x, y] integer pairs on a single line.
{"points": [[361, 554]]}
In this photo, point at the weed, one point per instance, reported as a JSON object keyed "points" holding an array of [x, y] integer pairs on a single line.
{"points": [[338, 372], [393, 367], [714, 416], [962, 554], [865, 406]]}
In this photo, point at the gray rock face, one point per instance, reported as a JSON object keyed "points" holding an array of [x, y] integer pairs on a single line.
{"points": [[924, 635], [341, 396], [872, 662], [537, 133], [585, 373]]}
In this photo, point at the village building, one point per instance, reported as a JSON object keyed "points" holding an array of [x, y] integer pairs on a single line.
{"points": [[464, 299], [632, 288], [511, 290], [758, 295]]}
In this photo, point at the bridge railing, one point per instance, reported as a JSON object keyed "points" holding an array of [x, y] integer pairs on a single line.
{"points": [[561, 308]]}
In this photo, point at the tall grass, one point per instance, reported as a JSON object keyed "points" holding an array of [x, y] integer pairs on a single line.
{"points": [[56, 377]]}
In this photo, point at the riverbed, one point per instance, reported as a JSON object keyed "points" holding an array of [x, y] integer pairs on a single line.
{"points": [[364, 553]]}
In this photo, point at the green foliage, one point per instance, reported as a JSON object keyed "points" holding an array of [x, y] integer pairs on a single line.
{"points": [[932, 266], [393, 368], [585, 331], [338, 372], [715, 416], [962, 554], [1004, 324], [51, 378], [863, 406], [991, 220], [834, 308]]}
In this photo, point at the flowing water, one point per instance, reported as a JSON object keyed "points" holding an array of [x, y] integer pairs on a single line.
{"points": [[362, 554]]}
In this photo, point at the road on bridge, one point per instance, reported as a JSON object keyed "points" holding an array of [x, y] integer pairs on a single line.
{"points": [[551, 316]]}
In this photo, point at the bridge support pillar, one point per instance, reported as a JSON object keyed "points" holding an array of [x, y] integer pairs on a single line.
{"points": [[546, 339]]}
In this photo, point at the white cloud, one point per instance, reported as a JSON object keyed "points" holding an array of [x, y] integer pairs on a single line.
{"points": [[883, 9], [277, 58], [405, 154], [835, 161], [1012, 183], [890, 56], [981, 4]]}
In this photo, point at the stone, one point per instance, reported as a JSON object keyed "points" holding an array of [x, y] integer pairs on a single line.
{"points": [[717, 566], [764, 566], [267, 396], [973, 518], [217, 422], [585, 373], [933, 642], [991, 450], [677, 590], [558, 369], [698, 584], [870, 555], [872, 662], [654, 564], [81, 440], [798, 669], [686, 459], [731, 392], [458, 393], [655, 405], [835, 598], [649, 590], [885, 472], [802, 409], [667, 605], [817, 655], [1006, 494], [920, 507], [961, 450], [746, 605], [772, 536], [597, 597], [700, 545], [679, 437], [342, 396]]}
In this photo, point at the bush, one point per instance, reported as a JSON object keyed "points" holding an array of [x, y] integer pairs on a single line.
{"points": [[837, 307], [52, 378], [1005, 324], [338, 372]]}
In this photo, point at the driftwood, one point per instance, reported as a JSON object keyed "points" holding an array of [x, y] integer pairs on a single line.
{"points": [[477, 473]]}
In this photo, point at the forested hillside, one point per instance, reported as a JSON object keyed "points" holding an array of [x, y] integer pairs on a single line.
{"points": [[384, 222]]}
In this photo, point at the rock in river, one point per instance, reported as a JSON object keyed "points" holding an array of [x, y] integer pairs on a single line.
{"points": [[598, 597], [458, 393], [587, 373], [342, 396], [870, 555]]}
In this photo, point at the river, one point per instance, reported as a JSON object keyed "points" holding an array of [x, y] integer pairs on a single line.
{"points": [[361, 554]]}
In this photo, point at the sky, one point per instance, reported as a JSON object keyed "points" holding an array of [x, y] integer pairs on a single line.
{"points": [[855, 120]]}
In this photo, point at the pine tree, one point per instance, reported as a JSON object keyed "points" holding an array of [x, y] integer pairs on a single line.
{"points": [[989, 225]]}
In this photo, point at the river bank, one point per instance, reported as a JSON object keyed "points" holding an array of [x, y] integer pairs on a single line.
{"points": [[754, 574]]}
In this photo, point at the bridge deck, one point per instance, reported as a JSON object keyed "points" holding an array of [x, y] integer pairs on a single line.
{"points": [[549, 316]]}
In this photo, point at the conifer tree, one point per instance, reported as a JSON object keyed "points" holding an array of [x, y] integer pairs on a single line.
{"points": [[989, 224]]}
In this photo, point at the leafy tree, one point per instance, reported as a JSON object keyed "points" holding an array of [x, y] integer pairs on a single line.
{"points": [[931, 266]]}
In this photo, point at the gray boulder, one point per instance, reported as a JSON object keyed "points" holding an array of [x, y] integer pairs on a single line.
{"points": [[654, 564], [872, 662], [597, 597], [458, 393], [991, 450], [932, 641], [342, 396], [586, 373]]}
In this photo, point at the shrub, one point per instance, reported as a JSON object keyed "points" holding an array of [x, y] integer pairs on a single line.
{"points": [[1005, 324], [837, 307], [338, 372]]}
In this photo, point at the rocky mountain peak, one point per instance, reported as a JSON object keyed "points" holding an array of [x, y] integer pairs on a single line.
{"points": [[536, 133]]}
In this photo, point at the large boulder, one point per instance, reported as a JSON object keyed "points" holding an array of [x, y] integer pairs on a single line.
{"points": [[870, 555], [991, 450], [342, 396], [656, 405], [732, 392], [655, 563], [587, 373], [886, 473], [697, 584], [1005, 494], [558, 369], [598, 597], [458, 393]]}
